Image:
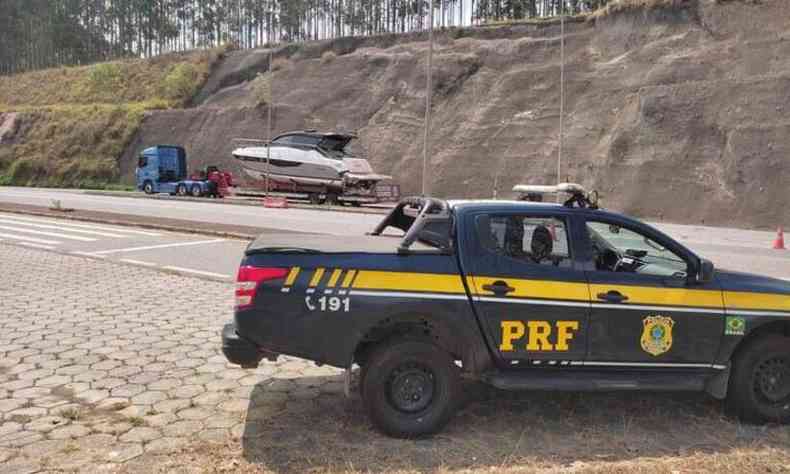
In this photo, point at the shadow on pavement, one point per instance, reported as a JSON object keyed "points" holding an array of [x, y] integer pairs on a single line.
{"points": [[307, 423]]}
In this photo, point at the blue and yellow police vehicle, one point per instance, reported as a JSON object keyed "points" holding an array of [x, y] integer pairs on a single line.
{"points": [[519, 295]]}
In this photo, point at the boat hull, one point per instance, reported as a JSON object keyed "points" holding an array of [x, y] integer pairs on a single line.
{"points": [[307, 171]]}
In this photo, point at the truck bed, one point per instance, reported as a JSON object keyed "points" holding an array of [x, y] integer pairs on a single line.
{"points": [[327, 244]]}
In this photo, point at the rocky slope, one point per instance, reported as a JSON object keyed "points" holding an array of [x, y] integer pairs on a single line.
{"points": [[680, 113]]}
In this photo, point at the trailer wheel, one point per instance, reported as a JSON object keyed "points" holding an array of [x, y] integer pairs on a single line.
{"points": [[181, 190], [196, 190], [410, 388], [148, 187], [315, 199], [331, 199]]}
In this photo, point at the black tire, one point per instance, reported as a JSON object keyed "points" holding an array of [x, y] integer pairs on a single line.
{"points": [[315, 198], [759, 388], [181, 190], [332, 199], [196, 190], [410, 388], [148, 187]]}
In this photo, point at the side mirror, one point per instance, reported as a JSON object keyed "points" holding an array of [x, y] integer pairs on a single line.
{"points": [[705, 271]]}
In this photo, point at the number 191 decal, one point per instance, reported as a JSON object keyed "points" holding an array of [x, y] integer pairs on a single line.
{"points": [[328, 303]]}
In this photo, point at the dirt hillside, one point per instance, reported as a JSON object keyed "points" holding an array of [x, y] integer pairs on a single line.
{"points": [[681, 112]]}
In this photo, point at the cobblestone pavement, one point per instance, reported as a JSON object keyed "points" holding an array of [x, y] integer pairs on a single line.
{"points": [[101, 363]]}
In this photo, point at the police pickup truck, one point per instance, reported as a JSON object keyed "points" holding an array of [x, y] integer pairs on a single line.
{"points": [[518, 295]]}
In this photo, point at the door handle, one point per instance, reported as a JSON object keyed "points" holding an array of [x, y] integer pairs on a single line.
{"points": [[499, 287], [612, 296]]}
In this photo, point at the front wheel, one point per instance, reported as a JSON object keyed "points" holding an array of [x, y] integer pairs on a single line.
{"points": [[148, 187], [759, 388], [410, 388]]}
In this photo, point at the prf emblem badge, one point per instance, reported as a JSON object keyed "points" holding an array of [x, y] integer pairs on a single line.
{"points": [[657, 334]]}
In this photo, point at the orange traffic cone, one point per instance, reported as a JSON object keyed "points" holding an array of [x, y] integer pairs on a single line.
{"points": [[779, 243]]}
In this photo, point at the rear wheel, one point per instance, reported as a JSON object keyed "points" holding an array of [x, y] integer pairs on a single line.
{"points": [[332, 199], [759, 388], [196, 190], [409, 388], [181, 190]]}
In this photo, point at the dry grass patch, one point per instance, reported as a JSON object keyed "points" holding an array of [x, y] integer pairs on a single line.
{"points": [[618, 6], [171, 77]]}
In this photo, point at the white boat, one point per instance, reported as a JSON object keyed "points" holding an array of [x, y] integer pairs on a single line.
{"points": [[308, 161]]}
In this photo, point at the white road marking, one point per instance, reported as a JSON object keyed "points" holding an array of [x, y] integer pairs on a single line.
{"points": [[162, 246], [86, 254], [197, 272], [48, 234], [63, 223], [37, 246], [29, 239], [137, 262], [61, 228]]}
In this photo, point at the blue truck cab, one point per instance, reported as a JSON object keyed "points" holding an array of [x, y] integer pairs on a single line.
{"points": [[163, 169]]}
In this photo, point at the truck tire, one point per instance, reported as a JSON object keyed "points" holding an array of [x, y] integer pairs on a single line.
{"points": [[181, 190], [196, 190], [410, 388], [332, 199], [148, 187], [759, 388]]}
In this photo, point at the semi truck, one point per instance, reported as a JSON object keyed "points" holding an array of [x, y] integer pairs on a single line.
{"points": [[163, 169]]}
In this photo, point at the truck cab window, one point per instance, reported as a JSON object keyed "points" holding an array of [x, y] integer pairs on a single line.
{"points": [[618, 249], [142, 161], [538, 240]]}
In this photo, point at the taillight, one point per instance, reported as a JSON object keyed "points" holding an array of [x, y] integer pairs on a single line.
{"points": [[248, 280]]}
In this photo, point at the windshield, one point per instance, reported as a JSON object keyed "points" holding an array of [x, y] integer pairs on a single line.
{"points": [[336, 146], [619, 249]]}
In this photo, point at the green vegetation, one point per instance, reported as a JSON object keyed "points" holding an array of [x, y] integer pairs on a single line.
{"points": [[74, 146], [262, 88], [617, 6], [78, 121], [169, 79], [36, 34]]}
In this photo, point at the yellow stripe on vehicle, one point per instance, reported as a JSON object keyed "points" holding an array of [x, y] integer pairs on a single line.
{"points": [[319, 272], [546, 289], [334, 278], [647, 295], [736, 300], [292, 276], [404, 281], [349, 278]]}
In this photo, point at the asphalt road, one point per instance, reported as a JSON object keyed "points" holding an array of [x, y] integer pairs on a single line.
{"points": [[198, 255], [295, 220], [736, 249]]}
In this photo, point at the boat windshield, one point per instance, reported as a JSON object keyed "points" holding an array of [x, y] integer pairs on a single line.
{"points": [[336, 146], [298, 140]]}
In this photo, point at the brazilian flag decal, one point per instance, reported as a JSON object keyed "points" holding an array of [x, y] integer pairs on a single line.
{"points": [[734, 326]]}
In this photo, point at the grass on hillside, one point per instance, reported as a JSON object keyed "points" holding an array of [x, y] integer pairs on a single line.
{"points": [[77, 146], [78, 121], [171, 78], [618, 6]]}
